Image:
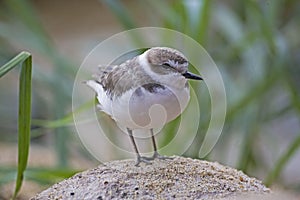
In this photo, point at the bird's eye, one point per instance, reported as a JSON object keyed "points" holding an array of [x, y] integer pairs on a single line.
{"points": [[167, 64]]}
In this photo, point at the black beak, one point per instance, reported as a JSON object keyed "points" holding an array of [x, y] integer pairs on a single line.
{"points": [[190, 75]]}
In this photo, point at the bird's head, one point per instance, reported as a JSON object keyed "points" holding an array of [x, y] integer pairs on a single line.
{"points": [[169, 63]]}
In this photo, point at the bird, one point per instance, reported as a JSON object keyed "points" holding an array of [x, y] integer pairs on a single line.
{"points": [[128, 92]]}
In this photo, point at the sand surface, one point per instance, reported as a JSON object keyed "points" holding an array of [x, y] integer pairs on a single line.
{"points": [[163, 179]]}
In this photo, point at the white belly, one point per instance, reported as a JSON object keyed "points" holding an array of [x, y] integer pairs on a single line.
{"points": [[141, 109]]}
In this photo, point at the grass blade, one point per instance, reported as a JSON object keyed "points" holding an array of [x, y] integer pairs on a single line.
{"points": [[203, 22], [24, 111], [24, 121], [120, 12], [13, 63], [49, 175], [282, 161], [253, 94], [64, 121], [39, 174], [295, 145]]}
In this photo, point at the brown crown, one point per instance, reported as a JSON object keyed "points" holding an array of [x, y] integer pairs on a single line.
{"points": [[161, 55]]}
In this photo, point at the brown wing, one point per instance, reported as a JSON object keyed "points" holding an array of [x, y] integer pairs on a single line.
{"points": [[118, 79]]}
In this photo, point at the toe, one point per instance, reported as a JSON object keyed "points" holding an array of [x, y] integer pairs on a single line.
{"points": [[158, 156], [142, 159]]}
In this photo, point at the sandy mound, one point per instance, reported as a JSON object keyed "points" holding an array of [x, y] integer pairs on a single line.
{"points": [[163, 179]]}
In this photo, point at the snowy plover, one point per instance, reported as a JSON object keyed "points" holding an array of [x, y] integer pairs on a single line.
{"points": [[129, 92]]}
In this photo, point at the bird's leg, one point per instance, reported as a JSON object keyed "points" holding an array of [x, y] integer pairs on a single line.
{"points": [[156, 154], [139, 158]]}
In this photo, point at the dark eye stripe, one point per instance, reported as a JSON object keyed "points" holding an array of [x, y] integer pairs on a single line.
{"points": [[168, 66]]}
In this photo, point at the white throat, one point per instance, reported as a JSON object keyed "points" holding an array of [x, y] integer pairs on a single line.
{"points": [[174, 80]]}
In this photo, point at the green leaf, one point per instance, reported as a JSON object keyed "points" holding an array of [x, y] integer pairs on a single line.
{"points": [[39, 174], [282, 161], [256, 92], [204, 21], [24, 120], [49, 175], [64, 121], [120, 12], [24, 111], [13, 63]]}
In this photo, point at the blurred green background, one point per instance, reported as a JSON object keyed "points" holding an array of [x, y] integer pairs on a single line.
{"points": [[255, 44]]}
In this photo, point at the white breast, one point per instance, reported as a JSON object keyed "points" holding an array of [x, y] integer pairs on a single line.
{"points": [[141, 109]]}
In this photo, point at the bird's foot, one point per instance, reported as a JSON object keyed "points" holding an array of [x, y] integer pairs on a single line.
{"points": [[146, 160], [142, 159], [156, 155]]}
